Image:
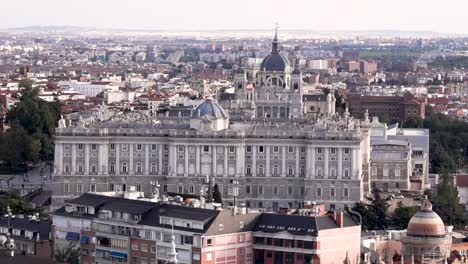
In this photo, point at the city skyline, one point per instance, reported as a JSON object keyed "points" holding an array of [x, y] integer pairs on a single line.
{"points": [[335, 15]]}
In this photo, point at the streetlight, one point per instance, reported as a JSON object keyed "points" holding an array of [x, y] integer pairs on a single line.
{"points": [[235, 194], [9, 243]]}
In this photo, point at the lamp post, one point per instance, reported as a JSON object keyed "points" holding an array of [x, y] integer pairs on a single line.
{"points": [[9, 243], [235, 194]]}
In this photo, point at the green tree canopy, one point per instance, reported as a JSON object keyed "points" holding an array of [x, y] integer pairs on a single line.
{"points": [[217, 197], [68, 254], [402, 216], [38, 117], [374, 215], [18, 204], [445, 202], [17, 148]]}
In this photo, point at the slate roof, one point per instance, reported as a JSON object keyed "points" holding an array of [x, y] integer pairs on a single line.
{"points": [[298, 224], [232, 223], [40, 227], [275, 62]]}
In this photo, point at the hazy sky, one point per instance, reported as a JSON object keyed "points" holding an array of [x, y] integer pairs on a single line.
{"points": [[431, 15]]}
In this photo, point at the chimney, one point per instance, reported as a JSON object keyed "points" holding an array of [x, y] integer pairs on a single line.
{"points": [[338, 217]]}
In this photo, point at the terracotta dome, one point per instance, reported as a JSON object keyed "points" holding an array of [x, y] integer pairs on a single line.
{"points": [[426, 223]]}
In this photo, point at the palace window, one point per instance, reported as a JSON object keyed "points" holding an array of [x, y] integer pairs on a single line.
{"points": [[260, 149], [92, 187], [139, 167], [346, 173], [260, 170], [290, 171], [290, 149], [319, 192], [154, 147], [346, 192], [112, 167], [139, 147], [275, 170], [66, 187], [93, 146], [275, 149], [260, 190], [332, 192], [248, 170], [124, 167], [206, 148]]}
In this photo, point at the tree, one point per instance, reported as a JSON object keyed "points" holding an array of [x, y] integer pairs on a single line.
{"points": [[402, 216], [368, 217], [374, 214], [217, 197], [379, 206], [17, 204], [18, 148], [68, 254], [38, 117], [445, 201]]}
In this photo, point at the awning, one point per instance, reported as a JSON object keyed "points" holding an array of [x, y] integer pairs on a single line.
{"points": [[84, 240], [72, 236], [118, 254]]}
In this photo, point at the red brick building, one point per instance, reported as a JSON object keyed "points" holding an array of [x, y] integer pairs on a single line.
{"points": [[395, 107]]}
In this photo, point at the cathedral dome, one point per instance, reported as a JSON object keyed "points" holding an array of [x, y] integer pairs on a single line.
{"points": [[426, 223], [210, 108], [275, 62]]}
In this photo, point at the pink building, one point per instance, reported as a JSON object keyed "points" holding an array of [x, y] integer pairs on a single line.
{"points": [[281, 239]]}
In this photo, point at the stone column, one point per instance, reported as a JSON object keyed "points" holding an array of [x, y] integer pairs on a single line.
{"points": [[147, 165], [86, 170], [186, 160], [59, 158], [308, 161], [267, 169], [198, 158], [214, 152], [240, 160], [130, 158], [103, 158], [225, 161], [340, 163], [297, 171], [254, 161], [173, 159], [353, 163], [117, 159], [326, 158], [73, 158], [160, 159], [283, 162], [312, 160]]}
